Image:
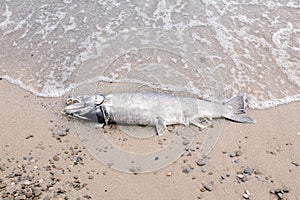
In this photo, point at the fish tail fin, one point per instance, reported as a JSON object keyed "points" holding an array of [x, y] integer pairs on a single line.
{"points": [[241, 119], [236, 105]]}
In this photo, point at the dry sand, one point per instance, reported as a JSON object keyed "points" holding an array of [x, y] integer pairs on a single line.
{"points": [[34, 163]]}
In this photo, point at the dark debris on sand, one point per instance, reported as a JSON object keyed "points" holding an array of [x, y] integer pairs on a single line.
{"points": [[30, 178]]}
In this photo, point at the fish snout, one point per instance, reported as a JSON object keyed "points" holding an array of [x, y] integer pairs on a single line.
{"points": [[73, 105], [83, 107], [72, 109]]}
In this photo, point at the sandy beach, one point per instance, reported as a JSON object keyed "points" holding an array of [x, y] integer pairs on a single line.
{"points": [[53, 50], [257, 161]]}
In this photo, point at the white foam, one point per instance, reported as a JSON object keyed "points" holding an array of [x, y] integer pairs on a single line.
{"points": [[246, 42], [7, 14], [46, 93], [71, 26]]}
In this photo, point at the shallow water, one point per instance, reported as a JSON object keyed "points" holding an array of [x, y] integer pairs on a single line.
{"points": [[203, 48]]}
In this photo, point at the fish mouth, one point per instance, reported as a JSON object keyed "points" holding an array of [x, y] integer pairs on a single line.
{"points": [[76, 110], [82, 107]]}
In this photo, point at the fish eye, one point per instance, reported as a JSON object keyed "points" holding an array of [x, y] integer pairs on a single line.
{"points": [[69, 101]]}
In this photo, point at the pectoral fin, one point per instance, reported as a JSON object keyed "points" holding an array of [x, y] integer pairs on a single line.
{"points": [[160, 126]]}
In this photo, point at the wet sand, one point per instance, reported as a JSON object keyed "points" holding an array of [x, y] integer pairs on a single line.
{"points": [[35, 164]]}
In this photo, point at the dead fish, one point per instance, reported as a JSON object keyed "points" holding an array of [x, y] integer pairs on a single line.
{"points": [[154, 109]]}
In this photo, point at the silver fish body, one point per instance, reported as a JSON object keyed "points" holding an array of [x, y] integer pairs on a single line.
{"points": [[154, 109]]}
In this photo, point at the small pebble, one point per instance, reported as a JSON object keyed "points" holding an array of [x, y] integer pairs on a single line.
{"points": [[90, 177], [236, 161], [272, 191], [248, 170], [208, 187], [247, 192], [238, 153], [286, 189], [256, 172], [78, 160], [169, 174], [258, 177], [201, 162], [246, 196], [59, 133], [187, 170], [185, 142], [55, 158], [203, 169], [280, 195], [240, 176], [27, 182], [232, 155], [202, 189]]}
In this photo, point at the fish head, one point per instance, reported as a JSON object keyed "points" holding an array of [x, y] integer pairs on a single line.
{"points": [[83, 107]]}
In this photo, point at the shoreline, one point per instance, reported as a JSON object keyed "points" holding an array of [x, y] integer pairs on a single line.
{"points": [[47, 164], [271, 104]]}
